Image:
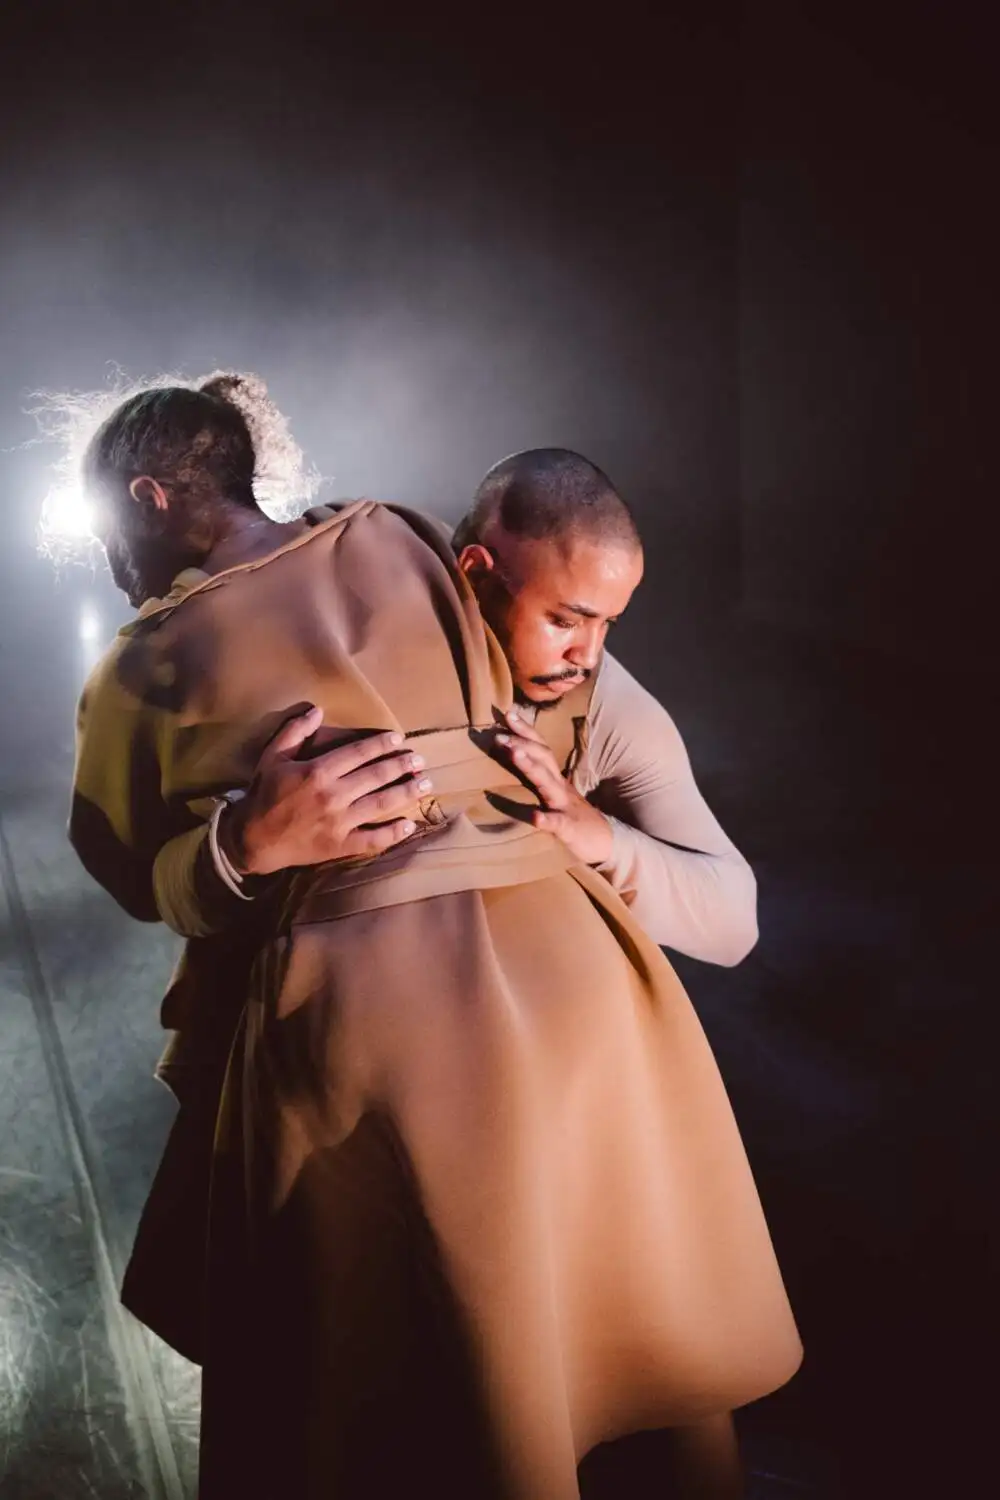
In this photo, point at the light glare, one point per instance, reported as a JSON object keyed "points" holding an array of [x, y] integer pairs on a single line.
{"points": [[67, 514], [90, 625]]}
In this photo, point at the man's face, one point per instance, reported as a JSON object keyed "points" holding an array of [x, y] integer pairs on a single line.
{"points": [[142, 555], [550, 604], [138, 566]]}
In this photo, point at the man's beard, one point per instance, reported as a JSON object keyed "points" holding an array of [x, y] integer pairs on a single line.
{"points": [[520, 696], [123, 571], [139, 567], [523, 701]]}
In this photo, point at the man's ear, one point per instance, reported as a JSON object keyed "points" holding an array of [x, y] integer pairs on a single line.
{"points": [[149, 492], [475, 558]]}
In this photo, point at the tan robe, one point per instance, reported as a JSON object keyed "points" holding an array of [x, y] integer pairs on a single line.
{"points": [[478, 1201]]}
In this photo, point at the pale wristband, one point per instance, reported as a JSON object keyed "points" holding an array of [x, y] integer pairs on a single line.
{"points": [[223, 868]]}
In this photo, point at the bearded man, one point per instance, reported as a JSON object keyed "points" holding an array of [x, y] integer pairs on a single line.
{"points": [[478, 1201]]}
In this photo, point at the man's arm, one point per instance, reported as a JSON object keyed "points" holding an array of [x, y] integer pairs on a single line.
{"points": [[117, 818], [190, 890], [352, 801], [683, 879], [125, 836]]}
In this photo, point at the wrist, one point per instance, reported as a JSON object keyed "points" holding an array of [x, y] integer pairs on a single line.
{"points": [[602, 843], [232, 833]]}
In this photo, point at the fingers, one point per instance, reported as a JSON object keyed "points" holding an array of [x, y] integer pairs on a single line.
{"points": [[538, 764], [524, 739], [381, 774], [522, 728], [347, 758], [377, 840], [557, 823], [291, 736], [388, 801]]}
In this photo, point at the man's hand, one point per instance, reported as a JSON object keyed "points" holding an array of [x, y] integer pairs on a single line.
{"points": [[584, 830], [305, 812]]}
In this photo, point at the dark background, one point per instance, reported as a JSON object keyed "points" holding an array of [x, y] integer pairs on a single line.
{"points": [[744, 258]]}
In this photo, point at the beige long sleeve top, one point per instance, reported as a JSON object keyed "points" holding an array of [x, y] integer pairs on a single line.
{"points": [[683, 878]]}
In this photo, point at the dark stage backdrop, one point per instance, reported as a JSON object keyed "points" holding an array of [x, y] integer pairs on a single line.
{"points": [[440, 237], [738, 255], [868, 327]]}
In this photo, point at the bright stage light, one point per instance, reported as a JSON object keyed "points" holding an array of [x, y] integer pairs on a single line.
{"points": [[90, 625], [66, 515]]}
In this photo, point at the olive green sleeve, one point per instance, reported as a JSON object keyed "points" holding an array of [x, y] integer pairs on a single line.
{"points": [[189, 894], [153, 859]]}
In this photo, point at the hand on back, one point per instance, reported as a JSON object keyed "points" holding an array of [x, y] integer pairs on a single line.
{"points": [[306, 812], [579, 825]]}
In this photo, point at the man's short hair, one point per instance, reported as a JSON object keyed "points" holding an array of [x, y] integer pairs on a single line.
{"points": [[549, 493]]}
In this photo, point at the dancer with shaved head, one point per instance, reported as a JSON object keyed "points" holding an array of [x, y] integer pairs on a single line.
{"points": [[478, 1200]]}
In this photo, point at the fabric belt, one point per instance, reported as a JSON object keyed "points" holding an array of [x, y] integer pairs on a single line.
{"points": [[473, 833]]}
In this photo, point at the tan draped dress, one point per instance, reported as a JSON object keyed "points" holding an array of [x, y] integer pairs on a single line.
{"points": [[478, 1198]]}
